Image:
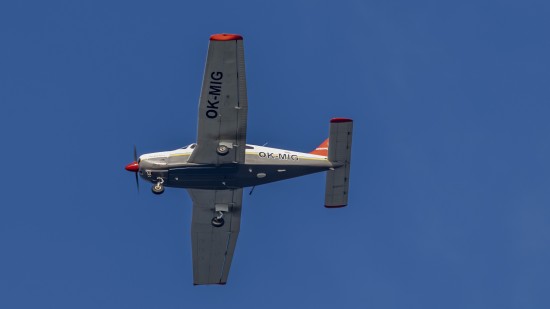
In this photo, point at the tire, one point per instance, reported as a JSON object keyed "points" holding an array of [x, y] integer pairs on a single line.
{"points": [[217, 222], [222, 150], [157, 189]]}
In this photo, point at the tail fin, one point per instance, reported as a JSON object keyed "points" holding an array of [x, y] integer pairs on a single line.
{"points": [[339, 154], [321, 150]]}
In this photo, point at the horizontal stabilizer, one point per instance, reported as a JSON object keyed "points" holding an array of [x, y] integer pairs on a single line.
{"points": [[339, 154]]}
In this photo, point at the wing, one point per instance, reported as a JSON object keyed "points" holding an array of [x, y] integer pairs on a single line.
{"points": [[223, 104], [213, 247]]}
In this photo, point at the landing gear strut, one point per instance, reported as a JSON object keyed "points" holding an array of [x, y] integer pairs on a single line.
{"points": [[158, 188], [218, 220]]}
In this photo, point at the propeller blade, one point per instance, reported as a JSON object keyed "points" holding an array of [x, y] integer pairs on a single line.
{"points": [[135, 160], [137, 181]]}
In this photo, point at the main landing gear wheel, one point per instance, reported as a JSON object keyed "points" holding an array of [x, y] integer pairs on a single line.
{"points": [[158, 188], [222, 150], [218, 221]]}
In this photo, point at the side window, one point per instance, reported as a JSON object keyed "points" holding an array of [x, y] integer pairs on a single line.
{"points": [[192, 146]]}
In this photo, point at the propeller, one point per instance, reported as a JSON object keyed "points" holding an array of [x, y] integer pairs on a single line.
{"points": [[134, 167], [136, 173]]}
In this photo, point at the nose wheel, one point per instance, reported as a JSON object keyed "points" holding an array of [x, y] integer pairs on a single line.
{"points": [[218, 220], [158, 188]]}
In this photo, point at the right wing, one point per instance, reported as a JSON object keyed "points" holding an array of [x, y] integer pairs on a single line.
{"points": [[223, 103], [213, 247]]}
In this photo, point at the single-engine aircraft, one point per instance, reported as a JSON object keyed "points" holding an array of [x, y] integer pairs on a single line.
{"points": [[216, 168]]}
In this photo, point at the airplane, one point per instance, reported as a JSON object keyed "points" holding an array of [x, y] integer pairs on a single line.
{"points": [[216, 168]]}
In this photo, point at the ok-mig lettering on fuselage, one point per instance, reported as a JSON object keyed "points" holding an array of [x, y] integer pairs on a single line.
{"points": [[278, 156], [214, 94]]}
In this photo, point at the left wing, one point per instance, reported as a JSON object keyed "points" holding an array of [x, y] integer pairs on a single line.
{"points": [[213, 247], [223, 103]]}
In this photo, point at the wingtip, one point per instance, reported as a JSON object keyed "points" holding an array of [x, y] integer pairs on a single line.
{"points": [[225, 37], [335, 206], [341, 120], [210, 283]]}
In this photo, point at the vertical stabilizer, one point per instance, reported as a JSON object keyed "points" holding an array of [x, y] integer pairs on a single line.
{"points": [[321, 150], [339, 154]]}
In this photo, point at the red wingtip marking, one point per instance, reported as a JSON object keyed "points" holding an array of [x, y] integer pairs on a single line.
{"points": [[335, 206], [225, 37], [341, 120]]}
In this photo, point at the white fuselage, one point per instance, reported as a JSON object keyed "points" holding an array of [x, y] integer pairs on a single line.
{"points": [[262, 165]]}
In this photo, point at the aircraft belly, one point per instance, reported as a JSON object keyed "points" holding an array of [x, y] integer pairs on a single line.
{"points": [[235, 176]]}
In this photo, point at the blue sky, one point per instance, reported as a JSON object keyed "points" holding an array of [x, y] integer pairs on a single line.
{"points": [[449, 198]]}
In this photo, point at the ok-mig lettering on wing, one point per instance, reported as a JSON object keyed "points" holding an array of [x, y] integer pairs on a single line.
{"points": [[214, 94]]}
